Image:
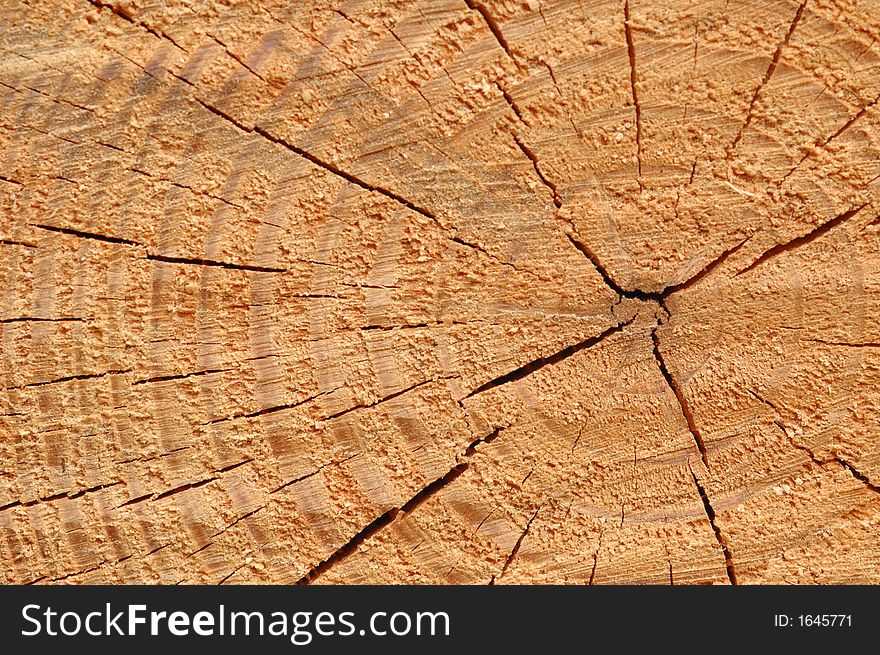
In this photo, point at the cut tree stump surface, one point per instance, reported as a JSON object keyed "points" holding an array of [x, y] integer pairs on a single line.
{"points": [[440, 291]]}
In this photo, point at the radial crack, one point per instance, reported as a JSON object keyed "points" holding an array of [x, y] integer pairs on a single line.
{"points": [[822, 144], [680, 397], [182, 376], [530, 154], [492, 24], [13, 242], [188, 188], [771, 68], [633, 79], [348, 177], [211, 262], [391, 396], [71, 378], [852, 470], [270, 410], [184, 487], [66, 495], [600, 268], [381, 522], [858, 475], [240, 60], [595, 559], [86, 235], [474, 246], [515, 550], [803, 239], [706, 270], [235, 522], [719, 536], [39, 319], [540, 362], [847, 344], [126, 16], [511, 103], [312, 474], [658, 296]]}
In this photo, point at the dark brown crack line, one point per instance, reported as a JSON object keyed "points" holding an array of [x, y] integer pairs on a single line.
{"points": [[858, 475], [71, 378], [69, 495], [391, 396], [86, 235], [771, 68], [185, 487], [719, 536], [182, 376], [492, 24], [802, 240], [479, 248], [13, 242], [232, 467], [186, 187], [516, 546], [38, 319], [595, 560], [348, 177], [241, 61], [680, 396], [380, 523], [269, 410], [211, 262], [824, 143], [530, 154], [847, 344], [852, 470], [539, 363], [633, 79], [312, 474], [511, 103], [657, 296], [231, 525], [126, 16]]}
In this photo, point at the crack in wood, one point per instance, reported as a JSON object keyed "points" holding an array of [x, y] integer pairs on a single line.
{"points": [[125, 15], [595, 559], [270, 410], [197, 261], [802, 240], [64, 495], [719, 535], [530, 154], [86, 235], [680, 396], [633, 79], [40, 319], [494, 28], [182, 376], [771, 69], [836, 459], [14, 242], [540, 362], [391, 396], [70, 378], [381, 522], [821, 145], [515, 550]]}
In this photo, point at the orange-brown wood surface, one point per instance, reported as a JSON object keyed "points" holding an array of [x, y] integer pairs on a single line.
{"points": [[440, 291]]}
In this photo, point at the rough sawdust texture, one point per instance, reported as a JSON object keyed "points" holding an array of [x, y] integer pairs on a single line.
{"points": [[449, 292]]}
